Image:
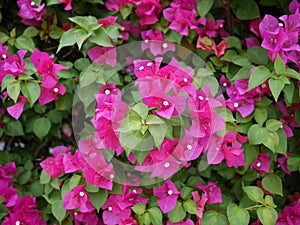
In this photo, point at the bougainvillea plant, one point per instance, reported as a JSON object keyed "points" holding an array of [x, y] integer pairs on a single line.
{"points": [[150, 112]]}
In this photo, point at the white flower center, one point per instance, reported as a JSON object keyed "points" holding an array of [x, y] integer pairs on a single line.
{"points": [[218, 149], [107, 91], [221, 25], [32, 3], [170, 192], [110, 208], [75, 213], [236, 105], [149, 64], [185, 79], [280, 24], [164, 45], [111, 176], [200, 97], [167, 165], [165, 103], [225, 84], [18, 222], [263, 85], [4, 56], [206, 99], [258, 164], [134, 191], [55, 90], [281, 126], [123, 28], [141, 68], [146, 41], [189, 147], [81, 193]]}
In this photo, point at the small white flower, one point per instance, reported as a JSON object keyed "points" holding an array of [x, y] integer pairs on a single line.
{"points": [[167, 165], [110, 208], [263, 85], [280, 24], [107, 91], [55, 90], [81, 193], [164, 45], [165, 103], [189, 147], [201, 97], [18, 223], [141, 68], [111, 176], [225, 84], [185, 79], [4, 56], [170, 192], [32, 3], [258, 164], [146, 41], [236, 105], [134, 191], [149, 64]]}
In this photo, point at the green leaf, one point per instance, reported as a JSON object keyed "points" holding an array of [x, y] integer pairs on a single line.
{"points": [[279, 65], [258, 55], [243, 73], [101, 38], [14, 128], [92, 74], [257, 134], [267, 215], [53, 2], [141, 109], [155, 216], [157, 128], [293, 163], [212, 218], [173, 36], [291, 73], [82, 64], [112, 32], [190, 206], [41, 127], [31, 31], [125, 11], [31, 90], [3, 37], [273, 141], [258, 76], [245, 10], [276, 86], [13, 90], [139, 208], [237, 215], [254, 193], [269, 201], [289, 92], [204, 6], [25, 42], [58, 210], [98, 198], [260, 115], [177, 214], [273, 125], [24, 177], [6, 81], [273, 184], [85, 22], [45, 177], [282, 146], [71, 37]]}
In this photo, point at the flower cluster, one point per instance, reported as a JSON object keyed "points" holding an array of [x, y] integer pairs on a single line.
{"points": [[22, 210]]}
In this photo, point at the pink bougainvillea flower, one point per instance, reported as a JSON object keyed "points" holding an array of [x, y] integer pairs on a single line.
{"points": [[186, 222], [254, 26], [114, 5], [210, 27], [131, 197], [148, 11], [78, 198], [282, 161], [294, 6], [290, 214], [180, 19], [231, 150], [16, 110], [108, 21], [54, 165], [90, 218], [103, 55], [269, 24], [200, 203], [261, 163], [129, 28], [31, 14], [50, 94], [24, 212], [96, 170], [155, 41], [10, 195], [68, 4], [5, 179], [12, 64], [112, 213], [220, 48], [128, 221], [213, 192], [168, 195]]}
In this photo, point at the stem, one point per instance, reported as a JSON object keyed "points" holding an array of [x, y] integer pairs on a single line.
{"points": [[253, 207], [229, 23]]}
